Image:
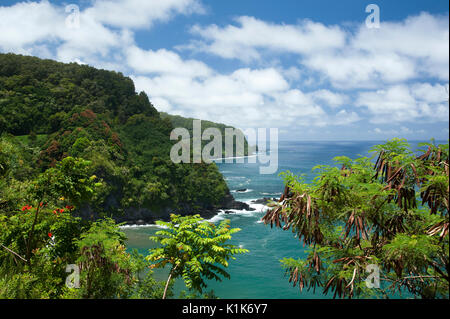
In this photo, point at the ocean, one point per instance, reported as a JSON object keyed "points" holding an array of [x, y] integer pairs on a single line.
{"points": [[258, 274]]}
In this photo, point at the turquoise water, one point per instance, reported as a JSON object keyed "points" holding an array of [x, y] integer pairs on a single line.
{"points": [[258, 274]]}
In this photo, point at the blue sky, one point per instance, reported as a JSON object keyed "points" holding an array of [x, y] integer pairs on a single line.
{"points": [[314, 69]]}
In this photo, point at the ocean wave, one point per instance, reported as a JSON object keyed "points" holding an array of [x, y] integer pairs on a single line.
{"points": [[259, 209], [272, 194], [217, 218]]}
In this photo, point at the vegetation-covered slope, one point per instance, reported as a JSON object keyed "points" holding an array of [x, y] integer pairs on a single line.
{"points": [[55, 110], [187, 123]]}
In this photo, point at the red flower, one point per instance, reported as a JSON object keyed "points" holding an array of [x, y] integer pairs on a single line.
{"points": [[55, 212], [69, 207], [61, 210], [50, 235], [26, 208]]}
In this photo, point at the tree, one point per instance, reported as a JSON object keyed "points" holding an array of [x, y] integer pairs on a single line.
{"points": [[106, 269], [36, 225], [38, 240], [79, 111], [393, 215], [195, 250]]}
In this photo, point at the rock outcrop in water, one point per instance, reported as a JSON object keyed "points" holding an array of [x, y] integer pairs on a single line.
{"points": [[264, 200]]}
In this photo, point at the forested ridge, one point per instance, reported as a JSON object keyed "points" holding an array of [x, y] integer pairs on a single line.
{"points": [[79, 146], [239, 141], [51, 110]]}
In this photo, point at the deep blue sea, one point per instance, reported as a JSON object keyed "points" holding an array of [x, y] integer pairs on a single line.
{"points": [[258, 274]]}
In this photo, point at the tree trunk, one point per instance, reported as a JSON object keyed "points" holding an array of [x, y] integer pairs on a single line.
{"points": [[168, 280], [31, 234]]}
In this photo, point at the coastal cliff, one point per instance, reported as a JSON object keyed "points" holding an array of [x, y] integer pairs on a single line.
{"points": [[52, 110], [144, 216]]}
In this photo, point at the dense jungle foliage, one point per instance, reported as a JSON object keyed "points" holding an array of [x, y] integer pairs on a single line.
{"points": [[51, 110], [239, 141], [72, 137]]}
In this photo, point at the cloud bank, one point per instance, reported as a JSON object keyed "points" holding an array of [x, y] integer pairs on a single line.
{"points": [[286, 75]]}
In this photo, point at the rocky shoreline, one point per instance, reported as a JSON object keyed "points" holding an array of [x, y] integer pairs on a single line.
{"points": [[144, 216], [228, 204]]}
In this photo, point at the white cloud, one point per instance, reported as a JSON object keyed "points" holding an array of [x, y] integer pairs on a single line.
{"points": [[164, 62], [244, 41], [39, 28], [243, 98], [403, 130], [429, 93], [401, 103], [366, 58], [352, 70], [266, 92], [140, 13], [423, 37], [26, 23], [330, 99], [344, 117], [264, 81]]}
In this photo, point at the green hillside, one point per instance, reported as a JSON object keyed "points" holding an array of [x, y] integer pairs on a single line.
{"points": [[187, 123], [50, 110]]}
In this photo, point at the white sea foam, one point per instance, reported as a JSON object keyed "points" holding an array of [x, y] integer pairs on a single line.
{"points": [[259, 210], [259, 207], [217, 218]]}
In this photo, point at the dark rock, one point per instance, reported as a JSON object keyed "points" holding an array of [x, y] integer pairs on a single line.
{"points": [[229, 202], [264, 200], [241, 190], [143, 216], [228, 212]]}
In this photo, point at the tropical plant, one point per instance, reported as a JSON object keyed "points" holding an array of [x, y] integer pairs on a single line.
{"points": [[195, 250], [391, 216], [106, 269]]}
